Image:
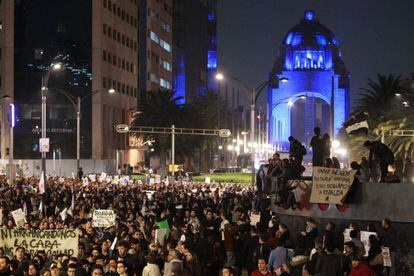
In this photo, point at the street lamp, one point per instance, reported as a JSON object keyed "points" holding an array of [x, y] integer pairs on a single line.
{"points": [[56, 66], [76, 102], [254, 94]]}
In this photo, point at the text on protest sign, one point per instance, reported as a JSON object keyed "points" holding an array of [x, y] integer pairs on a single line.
{"points": [[19, 217], [103, 218], [53, 242], [330, 185]]}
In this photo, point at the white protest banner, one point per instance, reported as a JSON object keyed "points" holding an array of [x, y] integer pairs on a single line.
{"points": [[386, 256], [19, 217], [157, 179], [160, 236], [330, 185], [152, 180], [365, 240], [53, 242], [103, 218]]}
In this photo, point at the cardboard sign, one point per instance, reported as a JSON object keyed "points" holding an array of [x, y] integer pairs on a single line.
{"points": [[330, 185], [19, 217], [254, 219], [365, 240], [160, 236], [53, 242], [103, 218], [386, 256]]}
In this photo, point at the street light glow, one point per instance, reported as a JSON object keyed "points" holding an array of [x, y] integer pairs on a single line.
{"points": [[56, 66], [303, 97], [284, 80], [111, 91], [397, 94], [290, 103], [219, 76]]}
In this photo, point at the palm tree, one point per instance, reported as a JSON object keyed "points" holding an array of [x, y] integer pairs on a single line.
{"points": [[161, 109], [379, 97]]}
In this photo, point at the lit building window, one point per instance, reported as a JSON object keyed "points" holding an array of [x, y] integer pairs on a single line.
{"points": [[38, 54], [166, 27], [154, 37], [212, 59], [164, 83], [166, 65], [154, 78], [165, 45]]}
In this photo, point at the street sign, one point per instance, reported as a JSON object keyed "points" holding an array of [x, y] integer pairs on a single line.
{"points": [[122, 128], [224, 133], [44, 144]]}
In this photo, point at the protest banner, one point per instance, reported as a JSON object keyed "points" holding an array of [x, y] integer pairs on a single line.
{"points": [[103, 218], [330, 185], [19, 217], [52, 242], [347, 235]]}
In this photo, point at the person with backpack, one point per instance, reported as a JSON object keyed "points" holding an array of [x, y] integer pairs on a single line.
{"points": [[316, 144], [297, 151]]}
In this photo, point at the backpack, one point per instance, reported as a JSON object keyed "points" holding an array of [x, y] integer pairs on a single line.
{"points": [[303, 150]]}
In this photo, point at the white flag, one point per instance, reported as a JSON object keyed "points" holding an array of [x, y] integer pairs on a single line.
{"points": [[41, 207], [114, 243], [56, 209], [72, 205], [63, 214], [42, 184]]}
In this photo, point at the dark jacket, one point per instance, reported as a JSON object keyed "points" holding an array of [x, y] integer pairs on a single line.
{"points": [[328, 265], [382, 152], [295, 149], [262, 251]]}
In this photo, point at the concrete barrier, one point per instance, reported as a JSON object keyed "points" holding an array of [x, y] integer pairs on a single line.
{"points": [[372, 202]]}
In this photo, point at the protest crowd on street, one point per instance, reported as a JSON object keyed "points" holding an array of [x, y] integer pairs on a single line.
{"points": [[98, 226]]}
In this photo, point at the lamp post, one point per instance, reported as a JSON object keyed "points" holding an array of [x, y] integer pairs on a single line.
{"points": [[45, 80], [254, 94], [76, 102]]}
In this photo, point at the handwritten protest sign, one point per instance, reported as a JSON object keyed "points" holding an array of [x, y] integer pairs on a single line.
{"points": [[160, 236], [330, 185], [53, 242], [365, 240], [19, 217], [103, 218]]}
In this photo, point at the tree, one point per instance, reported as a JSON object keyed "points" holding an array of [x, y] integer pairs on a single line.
{"points": [[161, 109], [379, 97]]}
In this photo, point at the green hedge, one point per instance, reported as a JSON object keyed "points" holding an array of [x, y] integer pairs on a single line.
{"points": [[225, 177]]}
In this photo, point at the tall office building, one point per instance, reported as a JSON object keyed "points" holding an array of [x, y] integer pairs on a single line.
{"points": [[6, 70], [97, 44], [155, 33], [190, 47]]}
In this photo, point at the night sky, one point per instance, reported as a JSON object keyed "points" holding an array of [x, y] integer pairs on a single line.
{"points": [[375, 36]]}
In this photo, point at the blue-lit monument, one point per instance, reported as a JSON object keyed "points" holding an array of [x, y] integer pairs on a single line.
{"points": [[307, 73]]}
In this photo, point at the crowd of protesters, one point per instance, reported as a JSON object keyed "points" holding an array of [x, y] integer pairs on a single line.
{"points": [[210, 232]]}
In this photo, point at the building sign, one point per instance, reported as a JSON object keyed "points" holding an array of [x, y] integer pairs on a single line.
{"points": [[330, 185], [122, 128], [224, 133]]}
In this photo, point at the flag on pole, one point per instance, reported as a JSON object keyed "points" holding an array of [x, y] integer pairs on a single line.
{"points": [[72, 205], [42, 184], [63, 214], [164, 225], [357, 123]]}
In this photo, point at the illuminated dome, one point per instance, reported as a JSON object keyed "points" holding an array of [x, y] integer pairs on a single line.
{"points": [[309, 32], [309, 46]]}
